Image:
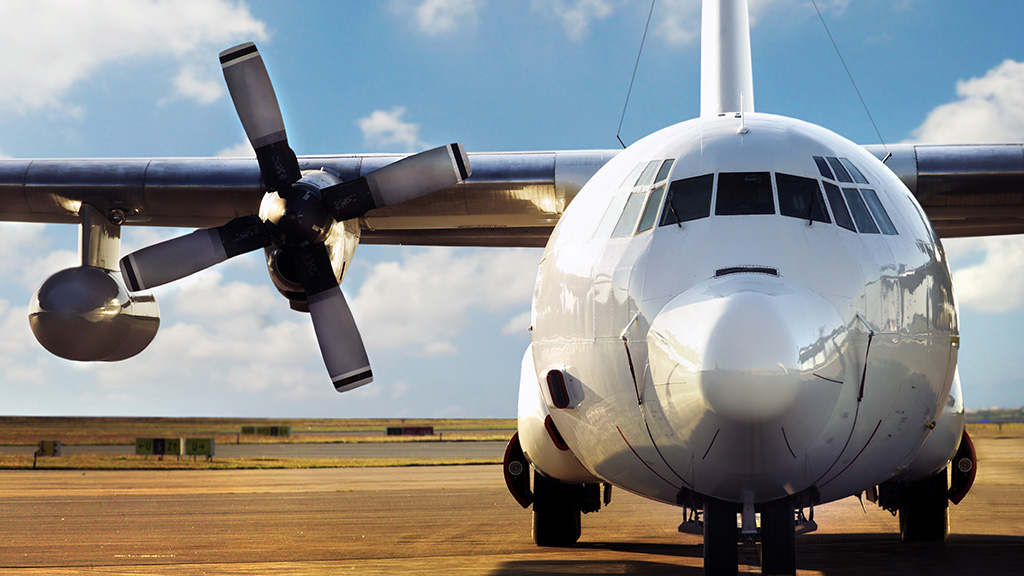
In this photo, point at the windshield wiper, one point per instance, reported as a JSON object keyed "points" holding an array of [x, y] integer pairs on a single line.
{"points": [[672, 206]]}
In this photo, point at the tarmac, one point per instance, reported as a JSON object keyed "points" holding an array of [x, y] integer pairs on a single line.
{"points": [[445, 520]]}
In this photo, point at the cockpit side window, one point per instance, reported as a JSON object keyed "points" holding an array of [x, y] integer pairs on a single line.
{"points": [[627, 221], [634, 175], [835, 200], [841, 174], [823, 168], [651, 210], [801, 198], [858, 176], [688, 199], [878, 211], [744, 193], [666, 167], [860, 212], [647, 177]]}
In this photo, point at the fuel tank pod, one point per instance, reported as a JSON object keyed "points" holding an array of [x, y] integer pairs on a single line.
{"points": [[86, 314]]}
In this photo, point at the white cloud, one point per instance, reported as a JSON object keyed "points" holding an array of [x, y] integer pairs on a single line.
{"points": [[518, 324], [436, 17], [576, 16], [29, 255], [60, 43], [241, 150], [387, 129], [24, 362], [215, 333], [229, 333], [426, 300], [990, 109], [198, 84], [995, 284], [137, 237], [678, 22], [207, 297]]}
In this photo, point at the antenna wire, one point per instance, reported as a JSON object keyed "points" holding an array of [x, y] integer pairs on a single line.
{"points": [[635, 66]]}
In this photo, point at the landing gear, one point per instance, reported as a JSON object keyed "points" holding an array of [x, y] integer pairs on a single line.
{"points": [[924, 510], [556, 512], [721, 555], [778, 537]]}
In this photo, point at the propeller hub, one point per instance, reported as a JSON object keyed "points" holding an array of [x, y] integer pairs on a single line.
{"points": [[296, 216]]}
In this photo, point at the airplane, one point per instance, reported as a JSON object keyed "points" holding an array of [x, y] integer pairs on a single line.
{"points": [[743, 314]]}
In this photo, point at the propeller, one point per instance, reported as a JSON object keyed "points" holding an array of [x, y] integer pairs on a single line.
{"points": [[297, 216]]}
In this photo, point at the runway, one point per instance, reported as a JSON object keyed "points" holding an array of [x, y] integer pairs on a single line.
{"points": [[446, 520]]}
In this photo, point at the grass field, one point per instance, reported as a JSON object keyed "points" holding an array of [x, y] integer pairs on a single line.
{"points": [[88, 461], [28, 431]]}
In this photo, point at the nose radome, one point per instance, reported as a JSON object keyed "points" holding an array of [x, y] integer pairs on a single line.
{"points": [[747, 347]]}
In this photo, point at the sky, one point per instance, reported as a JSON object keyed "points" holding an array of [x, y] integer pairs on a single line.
{"points": [[446, 328]]}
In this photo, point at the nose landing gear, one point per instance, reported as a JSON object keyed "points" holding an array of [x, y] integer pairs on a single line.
{"points": [[557, 508], [924, 510], [777, 535]]}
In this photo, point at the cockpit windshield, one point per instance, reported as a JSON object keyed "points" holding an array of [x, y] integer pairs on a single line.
{"points": [[801, 198], [647, 194], [688, 199], [744, 193]]}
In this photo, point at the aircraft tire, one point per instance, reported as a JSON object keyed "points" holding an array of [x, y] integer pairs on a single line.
{"points": [[924, 513], [721, 555], [778, 537], [556, 512]]}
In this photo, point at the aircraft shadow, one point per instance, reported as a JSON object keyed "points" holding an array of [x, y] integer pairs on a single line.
{"points": [[884, 553], [830, 554], [585, 567]]}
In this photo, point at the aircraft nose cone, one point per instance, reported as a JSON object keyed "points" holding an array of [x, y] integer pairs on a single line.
{"points": [[749, 349], [749, 356]]}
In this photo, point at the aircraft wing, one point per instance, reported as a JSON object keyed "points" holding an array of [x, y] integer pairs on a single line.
{"points": [[966, 190], [511, 199]]}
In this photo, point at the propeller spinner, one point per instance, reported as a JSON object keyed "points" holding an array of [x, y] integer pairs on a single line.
{"points": [[301, 210]]}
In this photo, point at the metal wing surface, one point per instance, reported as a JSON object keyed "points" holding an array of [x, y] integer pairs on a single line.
{"points": [[511, 199], [966, 190]]}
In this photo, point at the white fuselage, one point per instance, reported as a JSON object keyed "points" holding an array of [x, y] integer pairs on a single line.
{"points": [[724, 349]]}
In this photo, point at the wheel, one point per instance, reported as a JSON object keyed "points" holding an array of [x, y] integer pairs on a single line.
{"points": [[924, 512], [720, 538], [556, 512], [778, 537]]}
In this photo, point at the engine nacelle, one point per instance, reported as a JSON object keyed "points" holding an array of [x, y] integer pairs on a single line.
{"points": [[86, 314], [341, 241]]}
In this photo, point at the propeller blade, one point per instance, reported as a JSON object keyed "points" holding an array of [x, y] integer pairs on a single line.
{"points": [[336, 331], [410, 177], [179, 257], [257, 107]]}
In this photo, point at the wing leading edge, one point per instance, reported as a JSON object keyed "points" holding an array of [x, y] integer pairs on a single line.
{"points": [[511, 199]]}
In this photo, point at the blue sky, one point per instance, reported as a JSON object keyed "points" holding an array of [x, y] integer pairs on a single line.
{"points": [[446, 328]]}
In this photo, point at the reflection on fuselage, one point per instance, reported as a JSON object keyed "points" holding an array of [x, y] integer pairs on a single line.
{"points": [[733, 336]]}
